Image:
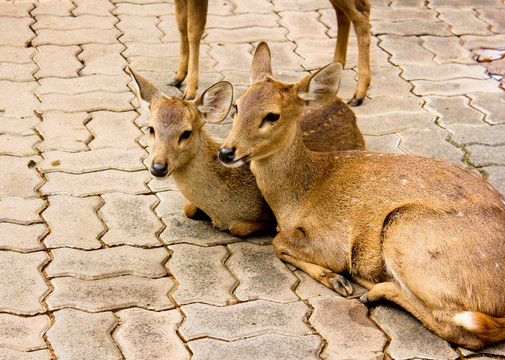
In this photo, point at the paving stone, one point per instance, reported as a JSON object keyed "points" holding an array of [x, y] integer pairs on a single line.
{"points": [[17, 72], [17, 125], [446, 50], [247, 7], [244, 320], [463, 21], [483, 42], [442, 71], [181, 230], [23, 103], [454, 110], [140, 29], [171, 203], [92, 101], [483, 155], [387, 82], [17, 9], [462, 3], [64, 131], [22, 285], [409, 27], [265, 347], [345, 325], [261, 273], [156, 185], [110, 294], [59, 8], [121, 260], [18, 145], [102, 59], [405, 49], [23, 333], [470, 134], [144, 9], [390, 104], [8, 354], [82, 84], [111, 129], [383, 124], [168, 26], [409, 338], [74, 22], [302, 25], [496, 178], [222, 8], [384, 143], [14, 54], [146, 334], [454, 87], [250, 34], [284, 57], [21, 237], [492, 104], [93, 160], [93, 7], [19, 178], [231, 56], [201, 274], [78, 335], [156, 50], [73, 222], [130, 220], [300, 5], [159, 64], [494, 16], [21, 211], [16, 31], [402, 14], [240, 20], [431, 143], [76, 36]]}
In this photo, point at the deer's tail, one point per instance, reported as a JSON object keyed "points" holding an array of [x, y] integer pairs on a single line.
{"points": [[490, 329]]}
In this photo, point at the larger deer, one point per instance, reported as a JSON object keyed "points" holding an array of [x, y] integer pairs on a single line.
{"points": [[191, 16], [180, 146], [423, 233]]}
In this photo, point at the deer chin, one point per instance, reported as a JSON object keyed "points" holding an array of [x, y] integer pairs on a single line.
{"points": [[236, 163]]}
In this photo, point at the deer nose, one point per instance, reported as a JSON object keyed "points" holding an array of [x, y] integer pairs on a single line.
{"points": [[226, 155], [159, 169]]}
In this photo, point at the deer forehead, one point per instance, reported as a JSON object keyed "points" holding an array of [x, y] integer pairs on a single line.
{"points": [[172, 115], [263, 97]]}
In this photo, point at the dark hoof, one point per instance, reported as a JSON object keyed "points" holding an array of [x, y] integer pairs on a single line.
{"points": [[341, 285], [175, 83], [355, 102], [364, 298]]}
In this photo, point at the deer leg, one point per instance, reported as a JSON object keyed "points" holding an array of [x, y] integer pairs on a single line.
{"points": [[441, 325], [181, 15], [246, 228], [197, 17], [344, 24], [361, 22], [293, 246], [192, 212]]}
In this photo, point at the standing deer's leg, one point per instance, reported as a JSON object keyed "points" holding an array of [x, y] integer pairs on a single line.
{"points": [[181, 15], [361, 22], [293, 246], [197, 17], [344, 25]]}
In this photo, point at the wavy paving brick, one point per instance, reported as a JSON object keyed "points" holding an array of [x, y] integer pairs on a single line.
{"points": [[201, 274], [491, 104], [111, 293], [382, 124], [446, 49], [83, 84], [93, 7], [23, 103], [243, 19], [387, 82], [345, 325], [22, 285], [60, 8], [389, 143], [16, 10], [261, 273], [19, 178], [91, 101], [57, 61], [22, 238], [8, 354], [79, 335], [139, 29], [265, 347], [156, 50], [18, 145], [405, 49], [147, 334], [484, 155], [130, 220], [21, 211], [307, 24], [95, 183], [482, 134], [17, 72], [62, 131], [454, 110], [251, 34], [121, 260], [75, 36], [409, 338], [455, 87], [23, 333], [18, 125], [390, 104], [74, 22], [171, 203], [410, 27], [142, 9], [244, 320], [285, 5], [111, 129], [14, 54], [15, 31], [102, 59], [463, 21]]}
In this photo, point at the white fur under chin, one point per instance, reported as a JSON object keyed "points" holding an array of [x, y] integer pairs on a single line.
{"points": [[466, 320], [235, 164]]}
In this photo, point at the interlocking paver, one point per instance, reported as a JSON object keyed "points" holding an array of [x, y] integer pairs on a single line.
{"points": [[387, 82], [102, 59], [139, 29], [299, 5], [486, 42], [73, 222], [17, 72], [345, 325], [171, 203], [74, 22], [231, 56], [446, 50], [147, 334], [265, 347], [17, 125], [454, 110], [484, 155], [64, 131], [241, 20], [8, 354], [121, 260], [201, 274], [492, 104], [493, 16], [390, 104], [307, 24], [385, 143], [160, 64], [244, 320], [111, 129], [18, 145], [464, 21], [409, 27], [410, 339], [16, 10], [262, 275], [93, 7], [405, 49], [124, 8], [245, 35], [455, 87], [59, 8], [130, 219], [484, 134], [221, 8], [247, 7], [82, 84], [109, 294], [15, 31], [496, 177], [14, 54], [80, 335], [156, 50], [76, 36], [22, 285], [21, 211], [21, 237], [19, 178], [383, 124], [92, 101], [23, 103], [440, 72], [23, 333]]}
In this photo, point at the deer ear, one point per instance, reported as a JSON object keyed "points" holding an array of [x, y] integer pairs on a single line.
{"points": [[215, 102], [320, 88], [146, 92], [261, 65]]}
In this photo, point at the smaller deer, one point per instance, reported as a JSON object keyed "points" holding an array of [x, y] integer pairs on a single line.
{"points": [[181, 147], [420, 232]]}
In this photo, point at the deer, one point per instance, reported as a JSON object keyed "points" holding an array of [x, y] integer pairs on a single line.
{"points": [[191, 17], [420, 232], [181, 147]]}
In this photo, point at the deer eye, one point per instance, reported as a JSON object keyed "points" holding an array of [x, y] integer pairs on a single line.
{"points": [[185, 135], [150, 130], [270, 118]]}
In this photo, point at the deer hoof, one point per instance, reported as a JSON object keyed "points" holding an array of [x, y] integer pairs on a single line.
{"points": [[355, 102], [364, 298], [341, 285]]}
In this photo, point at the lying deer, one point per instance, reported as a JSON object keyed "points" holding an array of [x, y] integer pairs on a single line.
{"points": [[191, 16], [420, 232], [182, 148]]}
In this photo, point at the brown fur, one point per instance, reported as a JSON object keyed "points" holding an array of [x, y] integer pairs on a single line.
{"points": [[191, 16], [426, 234], [230, 197]]}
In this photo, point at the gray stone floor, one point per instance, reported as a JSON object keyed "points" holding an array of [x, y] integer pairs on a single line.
{"points": [[97, 260]]}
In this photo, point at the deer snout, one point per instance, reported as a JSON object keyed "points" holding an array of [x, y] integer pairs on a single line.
{"points": [[159, 169], [227, 155]]}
